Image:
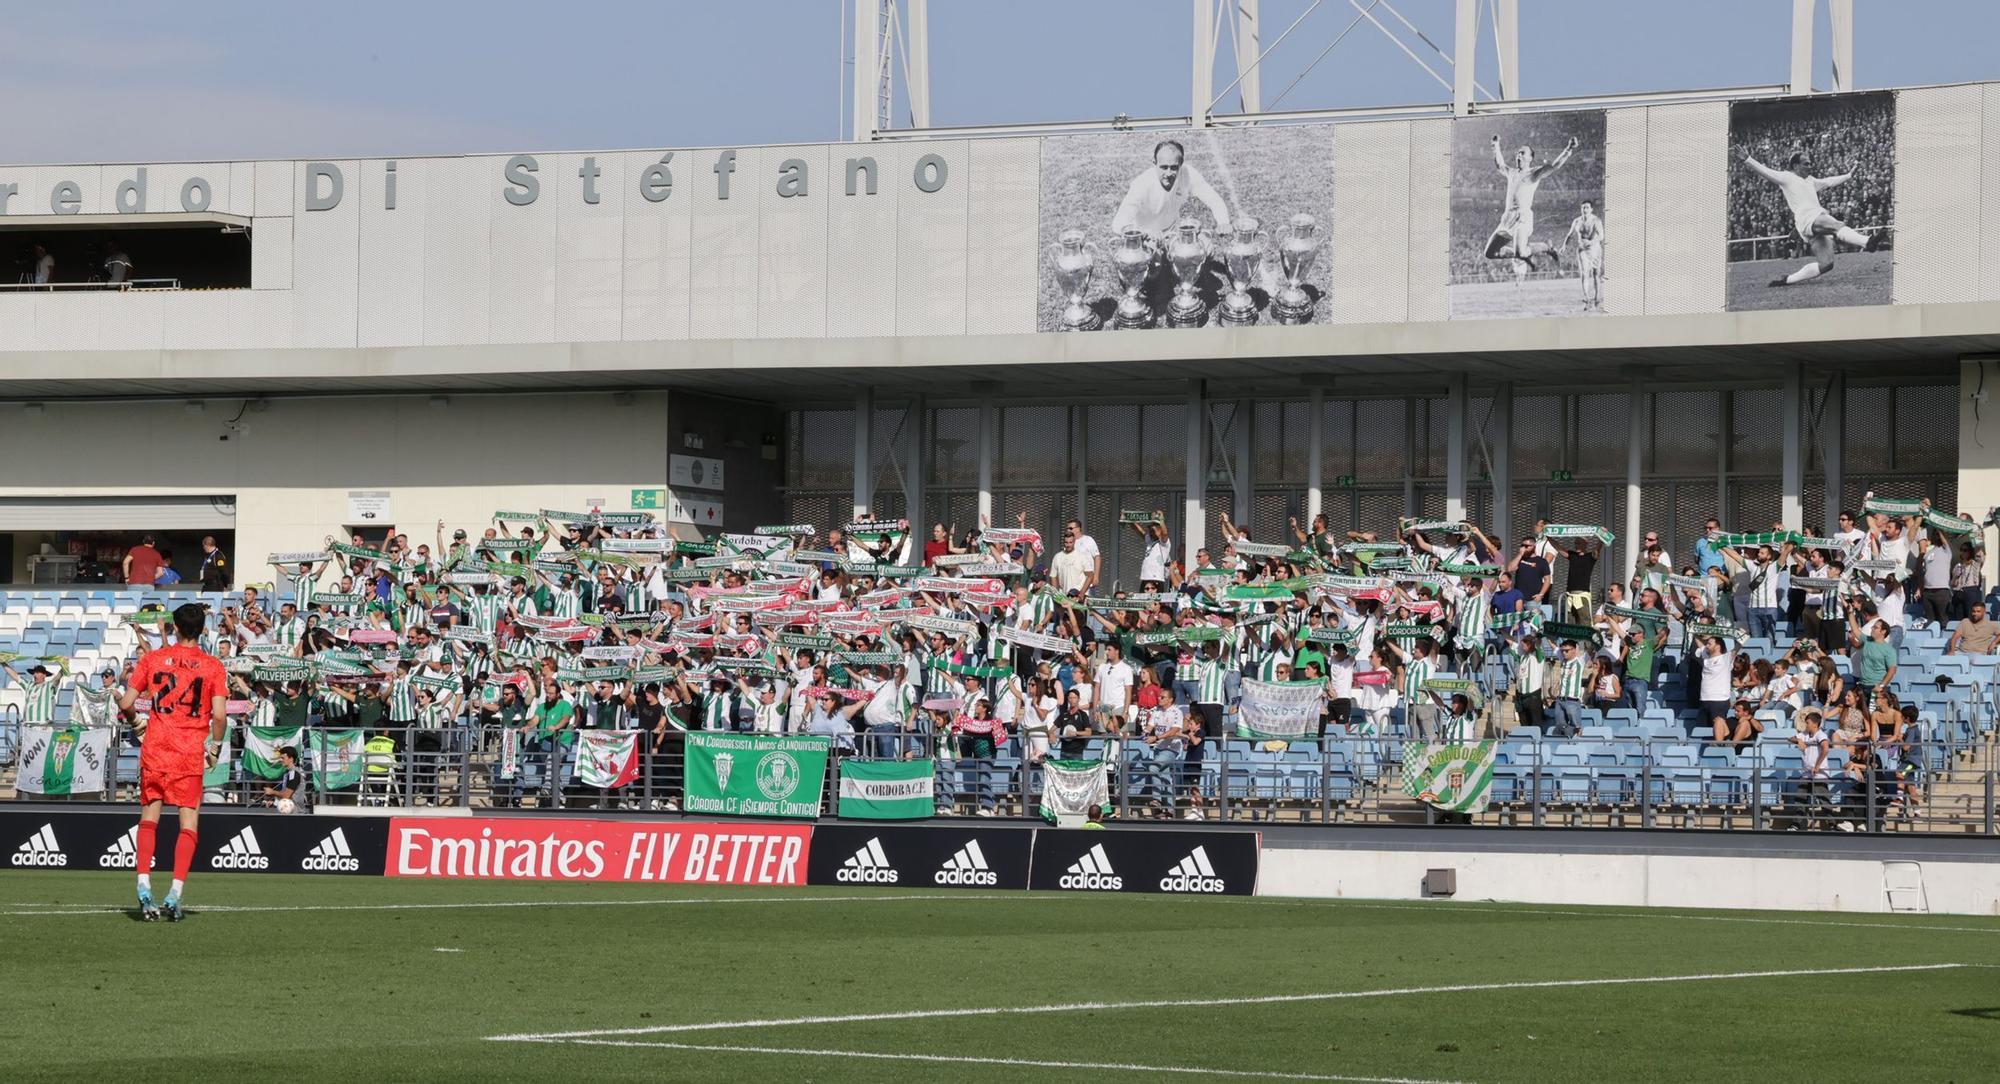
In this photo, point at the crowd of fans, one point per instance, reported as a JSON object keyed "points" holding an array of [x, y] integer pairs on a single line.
{"points": [[897, 644]]}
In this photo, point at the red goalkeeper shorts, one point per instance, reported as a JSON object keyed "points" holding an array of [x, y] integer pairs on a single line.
{"points": [[179, 789]]}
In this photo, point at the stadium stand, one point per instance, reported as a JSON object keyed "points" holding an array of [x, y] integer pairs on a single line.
{"points": [[1694, 707]]}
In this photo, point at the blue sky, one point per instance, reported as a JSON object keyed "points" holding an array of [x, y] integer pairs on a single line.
{"points": [[125, 81]]}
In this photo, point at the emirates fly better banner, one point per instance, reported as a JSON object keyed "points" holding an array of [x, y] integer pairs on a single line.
{"points": [[753, 775]]}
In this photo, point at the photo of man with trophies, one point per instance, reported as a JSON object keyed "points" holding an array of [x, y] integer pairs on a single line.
{"points": [[1209, 229]]}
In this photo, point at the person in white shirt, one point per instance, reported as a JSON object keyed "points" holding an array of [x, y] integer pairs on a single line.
{"points": [[1157, 553], [1070, 569], [1087, 546], [1814, 785], [1164, 731], [1714, 691], [45, 265], [1154, 199], [1114, 691], [1339, 686]]}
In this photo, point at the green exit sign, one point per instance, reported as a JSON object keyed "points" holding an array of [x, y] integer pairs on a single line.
{"points": [[1561, 476], [648, 498], [1343, 481]]}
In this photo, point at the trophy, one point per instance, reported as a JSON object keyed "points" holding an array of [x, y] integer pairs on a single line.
{"points": [[1242, 257], [1132, 261], [1187, 250], [1075, 259], [1298, 247]]}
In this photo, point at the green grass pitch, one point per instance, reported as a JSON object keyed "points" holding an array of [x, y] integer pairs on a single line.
{"points": [[303, 978]]}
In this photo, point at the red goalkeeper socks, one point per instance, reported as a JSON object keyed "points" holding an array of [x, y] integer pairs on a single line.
{"points": [[183, 854], [148, 830]]}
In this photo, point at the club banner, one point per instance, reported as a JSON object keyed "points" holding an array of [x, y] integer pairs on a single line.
{"points": [[62, 760], [1644, 617], [1949, 524], [1456, 777], [1726, 632], [308, 557], [748, 775], [920, 856], [261, 745], [888, 789], [1074, 786], [1279, 710], [607, 759], [337, 756], [1037, 640], [574, 849], [1890, 507], [1330, 635], [1246, 548]]}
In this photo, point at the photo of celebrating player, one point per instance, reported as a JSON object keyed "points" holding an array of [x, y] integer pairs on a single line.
{"points": [[1502, 166], [1812, 186]]}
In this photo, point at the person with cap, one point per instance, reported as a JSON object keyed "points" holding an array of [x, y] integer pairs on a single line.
{"points": [[39, 708]]}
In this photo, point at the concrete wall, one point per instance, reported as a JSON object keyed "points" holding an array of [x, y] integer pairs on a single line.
{"points": [[455, 263], [291, 471], [1628, 880]]}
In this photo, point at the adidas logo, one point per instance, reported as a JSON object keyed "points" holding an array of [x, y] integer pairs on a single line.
{"points": [[330, 855], [867, 866], [241, 852], [41, 849], [1194, 874], [1093, 870], [123, 852], [967, 867]]}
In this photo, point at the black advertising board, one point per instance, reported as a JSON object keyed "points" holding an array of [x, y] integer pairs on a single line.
{"points": [[1109, 860], [920, 856], [228, 843]]}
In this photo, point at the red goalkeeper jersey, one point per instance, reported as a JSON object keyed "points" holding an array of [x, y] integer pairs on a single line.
{"points": [[183, 682]]}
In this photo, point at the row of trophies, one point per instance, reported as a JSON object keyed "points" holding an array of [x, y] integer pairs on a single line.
{"points": [[1246, 257]]}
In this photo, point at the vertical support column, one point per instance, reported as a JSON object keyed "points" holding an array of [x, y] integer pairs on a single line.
{"points": [[1464, 50], [916, 463], [1239, 457], [867, 67], [1840, 17], [1249, 85], [1803, 13], [1410, 456], [864, 451], [1194, 521], [1832, 446], [1201, 83], [917, 74], [1454, 447], [1507, 43], [1503, 465], [1791, 502], [1315, 456], [1079, 442], [986, 456], [1639, 428], [1722, 449]]}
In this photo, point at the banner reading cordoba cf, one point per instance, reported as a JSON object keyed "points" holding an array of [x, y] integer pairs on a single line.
{"points": [[599, 850]]}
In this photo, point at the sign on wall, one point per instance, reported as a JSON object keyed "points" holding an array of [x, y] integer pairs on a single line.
{"points": [[1206, 228], [1527, 215], [701, 513], [699, 472], [1812, 202], [368, 506]]}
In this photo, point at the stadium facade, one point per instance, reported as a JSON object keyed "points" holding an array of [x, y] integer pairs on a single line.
{"points": [[737, 336]]}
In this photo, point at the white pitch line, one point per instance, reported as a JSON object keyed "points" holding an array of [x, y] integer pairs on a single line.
{"points": [[1663, 915], [533, 903], [1263, 999], [1028, 1063]]}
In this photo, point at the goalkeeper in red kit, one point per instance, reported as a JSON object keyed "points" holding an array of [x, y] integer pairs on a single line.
{"points": [[190, 694]]}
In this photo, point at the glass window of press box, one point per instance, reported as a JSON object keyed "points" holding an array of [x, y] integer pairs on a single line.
{"points": [[125, 252]]}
